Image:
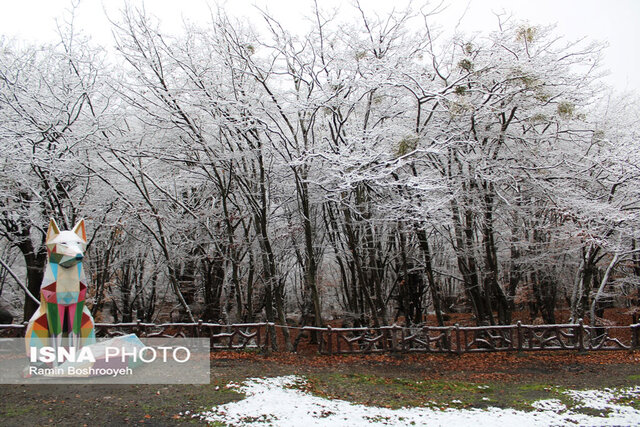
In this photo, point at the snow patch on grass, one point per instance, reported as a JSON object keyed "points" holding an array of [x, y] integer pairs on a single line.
{"points": [[606, 401], [271, 401], [554, 405]]}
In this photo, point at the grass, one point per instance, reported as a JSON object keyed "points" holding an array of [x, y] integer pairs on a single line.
{"points": [[202, 398], [404, 392], [429, 381], [114, 405], [18, 410], [630, 399]]}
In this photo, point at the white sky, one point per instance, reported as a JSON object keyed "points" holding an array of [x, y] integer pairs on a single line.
{"points": [[616, 22]]}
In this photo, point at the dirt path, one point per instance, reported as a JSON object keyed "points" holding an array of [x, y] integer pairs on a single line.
{"points": [[368, 379]]}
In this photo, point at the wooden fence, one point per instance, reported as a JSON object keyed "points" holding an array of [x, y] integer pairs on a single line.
{"points": [[388, 339], [474, 339]]}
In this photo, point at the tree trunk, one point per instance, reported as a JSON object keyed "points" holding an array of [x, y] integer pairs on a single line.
{"points": [[493, 291], [433, 286], [467, 263], [353, 248], [310, 266], [35, 262], [582, 284], [600, 292]]}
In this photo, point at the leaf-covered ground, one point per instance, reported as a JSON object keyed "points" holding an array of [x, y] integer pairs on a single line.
{"points": [[436, 381]]}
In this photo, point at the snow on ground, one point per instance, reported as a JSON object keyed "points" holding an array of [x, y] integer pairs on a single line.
{"points": [[269, 402]]}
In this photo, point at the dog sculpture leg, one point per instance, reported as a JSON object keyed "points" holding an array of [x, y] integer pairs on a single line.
{"points": [[37, 334]]}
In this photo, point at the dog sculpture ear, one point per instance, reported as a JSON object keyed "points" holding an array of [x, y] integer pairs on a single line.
{"points": [[80, 231], [53, 230]]}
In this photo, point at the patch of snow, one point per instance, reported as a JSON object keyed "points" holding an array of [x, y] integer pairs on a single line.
{"points": [[605, 401], [554, 405], [270, 402]]}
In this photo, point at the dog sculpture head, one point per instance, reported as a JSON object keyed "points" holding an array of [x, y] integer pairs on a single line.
{"points": [[66, 248]]}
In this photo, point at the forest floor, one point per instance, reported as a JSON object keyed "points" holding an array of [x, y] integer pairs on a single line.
{"points": [[501, 380]]}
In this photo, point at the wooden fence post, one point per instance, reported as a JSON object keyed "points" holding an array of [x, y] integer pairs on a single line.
{"points": [[458, 339], [425, 329], [258, 337], [519, 336], [447, 340], [394, 338], [581, 348], [138, 327]]}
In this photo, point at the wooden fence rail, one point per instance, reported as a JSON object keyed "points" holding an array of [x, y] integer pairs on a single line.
{"points": [[395, 339]]}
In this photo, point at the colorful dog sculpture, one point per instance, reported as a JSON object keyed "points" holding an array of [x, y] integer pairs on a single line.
{"points": [[62, 314]]}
